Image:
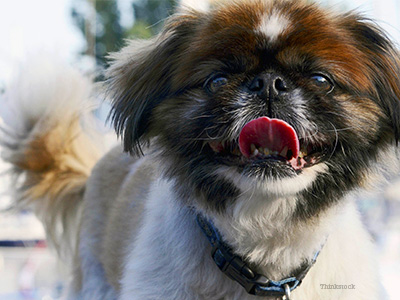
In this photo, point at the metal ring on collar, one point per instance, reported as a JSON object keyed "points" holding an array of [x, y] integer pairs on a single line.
{"points": [[287, 292]]}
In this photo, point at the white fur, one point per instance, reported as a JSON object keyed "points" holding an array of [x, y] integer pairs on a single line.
{"points": [[45, 86], [272, 25], [307, 129], [171, 252], [276, 187], [199, 5]]}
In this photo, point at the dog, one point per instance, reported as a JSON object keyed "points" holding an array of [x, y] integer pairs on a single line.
{"points": [[246, 128]]}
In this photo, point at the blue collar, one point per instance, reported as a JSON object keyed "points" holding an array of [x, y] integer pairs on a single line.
{"points": [[238, 270]]}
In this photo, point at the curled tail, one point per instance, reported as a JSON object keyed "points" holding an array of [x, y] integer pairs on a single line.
{"points": [[46, 140]]}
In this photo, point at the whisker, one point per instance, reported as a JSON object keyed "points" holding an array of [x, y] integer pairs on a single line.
{"points": [[342, 129], [311, 135], [202, 116], [336, 140]]}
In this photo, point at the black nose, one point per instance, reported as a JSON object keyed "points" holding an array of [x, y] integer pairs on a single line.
{"points": [[269, 85]]}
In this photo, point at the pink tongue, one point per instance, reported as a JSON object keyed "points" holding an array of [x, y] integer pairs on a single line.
{"points": [[273, 134]]}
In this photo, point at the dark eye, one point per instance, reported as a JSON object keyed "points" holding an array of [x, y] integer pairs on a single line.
{"points": [[322, 82], [214, 83]]}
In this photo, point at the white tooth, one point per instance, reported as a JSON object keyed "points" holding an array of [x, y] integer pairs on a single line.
{"points": [[252, 148], [255, 153], [284, 151]]}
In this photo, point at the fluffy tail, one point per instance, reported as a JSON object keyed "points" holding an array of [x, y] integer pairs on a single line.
{"points": [[45, 138]]}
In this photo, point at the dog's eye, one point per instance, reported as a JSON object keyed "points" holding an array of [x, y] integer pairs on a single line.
{"points": [[322, 82], [214, 83]]}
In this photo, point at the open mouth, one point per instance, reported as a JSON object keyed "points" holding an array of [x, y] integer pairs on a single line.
{"points": [[269, 140]]}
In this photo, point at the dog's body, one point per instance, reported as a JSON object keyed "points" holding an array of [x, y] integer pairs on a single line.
{"points": [[162, 244], [253, 116]]}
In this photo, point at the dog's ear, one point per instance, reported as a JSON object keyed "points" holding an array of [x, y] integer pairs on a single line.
{"points": [[140, 76], [383, 61]]}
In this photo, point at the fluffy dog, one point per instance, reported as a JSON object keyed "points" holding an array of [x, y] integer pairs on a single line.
{"points": [[247, 126]]}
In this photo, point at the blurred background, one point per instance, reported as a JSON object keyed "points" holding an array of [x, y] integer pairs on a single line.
{"points": [[82, 32]]}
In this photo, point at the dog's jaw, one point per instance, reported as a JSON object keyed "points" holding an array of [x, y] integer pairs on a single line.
{"points": [[270, 188]]}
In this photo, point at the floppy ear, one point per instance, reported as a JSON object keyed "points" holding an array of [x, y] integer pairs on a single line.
{"points": [[139, 78], [384, 63]]}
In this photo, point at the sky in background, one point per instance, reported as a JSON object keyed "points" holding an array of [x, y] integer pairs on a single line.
{"points": [[29, 27], [385, 12]]}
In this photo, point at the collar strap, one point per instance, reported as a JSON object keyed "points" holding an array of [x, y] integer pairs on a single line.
{"points": [[238, 270]]}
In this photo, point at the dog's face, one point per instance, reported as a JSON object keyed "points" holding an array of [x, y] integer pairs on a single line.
{"points": [[280, 96]]}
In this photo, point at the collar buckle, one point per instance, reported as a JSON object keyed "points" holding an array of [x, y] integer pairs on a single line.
{"points": [[236, 269], [255, 284]]}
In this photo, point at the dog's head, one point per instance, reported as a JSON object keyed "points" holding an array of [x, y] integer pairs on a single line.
{"points": [[278, 95]]}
